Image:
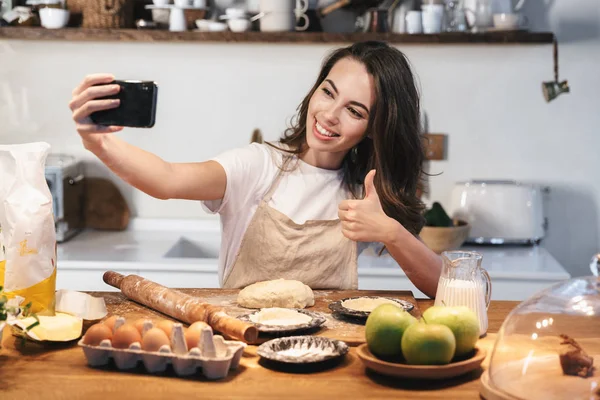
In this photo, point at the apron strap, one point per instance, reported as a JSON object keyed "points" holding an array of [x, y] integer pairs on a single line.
{"points": [[274, 186]]}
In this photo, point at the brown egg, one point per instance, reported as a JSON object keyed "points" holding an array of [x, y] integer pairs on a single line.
{"points": [[97, 333], [154, 339], [125, 336], [192, 334], [166, 326], [110, 322], [139, 324]]}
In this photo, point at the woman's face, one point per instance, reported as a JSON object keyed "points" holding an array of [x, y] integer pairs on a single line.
{"points": [[338, 112]]}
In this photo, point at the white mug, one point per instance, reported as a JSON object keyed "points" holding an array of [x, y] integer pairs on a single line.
{"points": [[177, 21], [303, 17], [283, 5], [414, 23], [283, 15], [282, 22], [509, 21], [433, 15], [277, 21]]}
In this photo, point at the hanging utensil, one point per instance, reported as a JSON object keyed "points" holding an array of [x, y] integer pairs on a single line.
{"points": [[551, 90]]}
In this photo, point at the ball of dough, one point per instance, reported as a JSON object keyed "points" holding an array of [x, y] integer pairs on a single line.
{"points": [[276, 293]]}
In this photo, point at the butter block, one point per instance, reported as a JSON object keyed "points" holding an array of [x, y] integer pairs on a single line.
{"points": [[58, 328]]}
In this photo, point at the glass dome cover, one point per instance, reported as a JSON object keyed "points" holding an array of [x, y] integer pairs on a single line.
{"points": [[549, 346]]}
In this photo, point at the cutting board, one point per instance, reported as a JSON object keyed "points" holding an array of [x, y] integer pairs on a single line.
{"points": [[350, 330]]}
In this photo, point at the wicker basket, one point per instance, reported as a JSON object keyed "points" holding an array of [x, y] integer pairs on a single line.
{"points": [[107, 13], [74, 6]]}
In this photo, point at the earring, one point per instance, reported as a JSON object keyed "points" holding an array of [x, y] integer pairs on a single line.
{"points": [[354, 154]]}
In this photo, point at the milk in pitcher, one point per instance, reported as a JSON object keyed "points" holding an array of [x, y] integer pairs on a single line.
{"points": [[464, 283]]}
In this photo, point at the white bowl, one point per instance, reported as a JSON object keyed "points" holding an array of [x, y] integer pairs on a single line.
{"points": [[217, 26], [507, 21], [207, 25], [239, 24], [54, 18], [238, 13], [160, 2], [203, 24]]}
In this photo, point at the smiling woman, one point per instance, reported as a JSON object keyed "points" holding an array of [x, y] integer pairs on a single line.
{"points": [[363, 114], [344, 176]]}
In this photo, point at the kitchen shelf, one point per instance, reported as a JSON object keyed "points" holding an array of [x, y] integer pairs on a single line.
{"points": [[132, 35]]}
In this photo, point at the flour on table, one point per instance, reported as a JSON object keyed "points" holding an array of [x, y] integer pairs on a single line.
{"points": [[276, 293], [304, 352], [280, 317], [366, 304]]}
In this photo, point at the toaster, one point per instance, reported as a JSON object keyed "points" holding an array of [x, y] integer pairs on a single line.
{"points": [[64, 176], [500, 211]]}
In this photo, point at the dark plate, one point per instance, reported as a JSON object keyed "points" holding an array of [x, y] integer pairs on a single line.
{"points": [[337, 306], [316, 321], [302, 349]]}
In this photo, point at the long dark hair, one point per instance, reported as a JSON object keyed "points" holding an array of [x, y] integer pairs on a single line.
{"points": [[393, 145]]}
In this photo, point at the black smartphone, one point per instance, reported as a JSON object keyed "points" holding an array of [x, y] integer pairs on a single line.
{"points": [[137, 108]]}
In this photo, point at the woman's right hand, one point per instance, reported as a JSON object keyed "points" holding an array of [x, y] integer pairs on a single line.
{"points": [[84, 102]]}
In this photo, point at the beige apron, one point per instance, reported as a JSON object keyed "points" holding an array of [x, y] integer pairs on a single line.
{"points": [[315, 253]]}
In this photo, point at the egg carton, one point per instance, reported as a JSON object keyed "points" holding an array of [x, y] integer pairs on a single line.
{"points": [[214, 355]]}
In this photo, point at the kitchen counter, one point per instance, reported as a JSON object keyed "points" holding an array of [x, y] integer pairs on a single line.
{"points": [[61, 372], [184, 253]]}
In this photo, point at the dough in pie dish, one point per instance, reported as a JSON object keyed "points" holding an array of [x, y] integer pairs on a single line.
{"points": [[279, 317], [367, 304], [282, 293]]}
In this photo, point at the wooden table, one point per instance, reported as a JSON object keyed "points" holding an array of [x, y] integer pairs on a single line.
{"points": [[61, 372]]}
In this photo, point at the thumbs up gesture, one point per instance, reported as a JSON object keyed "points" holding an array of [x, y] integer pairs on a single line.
{"points": [[364, 220]]}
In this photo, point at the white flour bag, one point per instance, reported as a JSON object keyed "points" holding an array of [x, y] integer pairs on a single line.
{"points": [[27, 233]]}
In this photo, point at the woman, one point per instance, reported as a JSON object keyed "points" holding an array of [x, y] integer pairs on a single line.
{"points": [[343, 176]]}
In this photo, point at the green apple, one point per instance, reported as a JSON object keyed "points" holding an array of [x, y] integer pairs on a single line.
{"points": [[462, 321], [428, 344], [384, 329]]}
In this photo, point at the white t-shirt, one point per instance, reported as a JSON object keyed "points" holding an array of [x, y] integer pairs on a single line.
{"points": [[304, 193]]}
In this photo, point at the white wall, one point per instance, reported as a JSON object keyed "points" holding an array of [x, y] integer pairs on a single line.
{"points": [[212, 95]]}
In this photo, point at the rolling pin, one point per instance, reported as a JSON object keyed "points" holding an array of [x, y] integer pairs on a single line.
{"points": [[180, 306]]}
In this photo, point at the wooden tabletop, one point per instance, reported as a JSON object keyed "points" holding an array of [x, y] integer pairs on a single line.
{"points": [[33, 371]]}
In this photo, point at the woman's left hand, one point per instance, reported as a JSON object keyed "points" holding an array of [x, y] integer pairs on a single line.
{"points": [[364, 220]]}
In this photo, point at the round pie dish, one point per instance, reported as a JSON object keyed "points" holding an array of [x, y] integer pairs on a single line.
{"points": [[338, 306], [316, 321], [302, 350]]}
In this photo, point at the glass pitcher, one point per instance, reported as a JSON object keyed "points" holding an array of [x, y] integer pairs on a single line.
{"points": [[463, 282], [456, 20]]}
